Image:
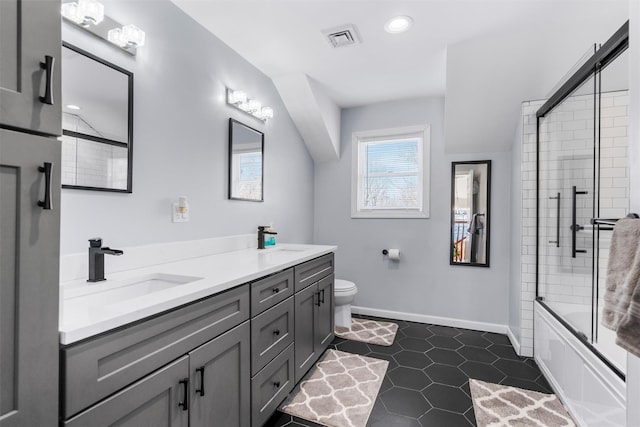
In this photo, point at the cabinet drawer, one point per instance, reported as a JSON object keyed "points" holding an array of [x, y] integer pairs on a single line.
{"points": [[271, 332], [271, 386], [270, 291], [152, 401], [99, 367], [312, 271]]}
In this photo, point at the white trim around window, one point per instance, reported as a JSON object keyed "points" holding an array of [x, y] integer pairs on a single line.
{"points": [[361, 207]]}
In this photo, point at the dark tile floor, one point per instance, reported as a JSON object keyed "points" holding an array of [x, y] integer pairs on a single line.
{"points": [[427, 381]]}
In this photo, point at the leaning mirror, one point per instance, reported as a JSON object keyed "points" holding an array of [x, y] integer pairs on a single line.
{"points": [[97, 123], [470, 213], [246, 149]]}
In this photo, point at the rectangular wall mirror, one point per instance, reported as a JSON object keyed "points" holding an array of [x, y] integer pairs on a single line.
{"points": [[470, 213], [246, 152], [97, 123]]}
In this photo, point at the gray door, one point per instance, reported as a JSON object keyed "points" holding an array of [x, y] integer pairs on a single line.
{"points": [[306, 352], [324, 330], [221, 382], [29, 262], [30, 32], [157, 400]]}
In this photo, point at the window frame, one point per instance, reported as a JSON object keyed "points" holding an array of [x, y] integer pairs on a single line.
{"points": [[359, 139]]}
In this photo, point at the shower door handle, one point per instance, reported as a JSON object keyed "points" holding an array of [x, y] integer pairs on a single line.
{"points": [[557, 241], [574, 226]]}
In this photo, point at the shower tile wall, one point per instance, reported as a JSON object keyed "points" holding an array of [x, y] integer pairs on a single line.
{"points": [[93, 164], [571, 129]]}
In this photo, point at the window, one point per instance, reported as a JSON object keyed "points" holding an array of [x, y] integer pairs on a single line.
{"points": [[390, 176]]}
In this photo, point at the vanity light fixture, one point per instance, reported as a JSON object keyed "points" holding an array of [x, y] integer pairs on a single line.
{"points": [[83, 12], [89, 15], [239, 100], [398, 24]]}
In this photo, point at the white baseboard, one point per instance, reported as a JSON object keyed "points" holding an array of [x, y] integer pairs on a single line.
{"points": [[436, 320], [515, 343]]}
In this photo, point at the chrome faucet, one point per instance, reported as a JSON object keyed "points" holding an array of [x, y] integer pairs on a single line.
{"points": [[96, 259], [261, 233]]}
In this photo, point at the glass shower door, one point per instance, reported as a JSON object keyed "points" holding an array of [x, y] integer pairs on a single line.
{"points": [[566, 194]]}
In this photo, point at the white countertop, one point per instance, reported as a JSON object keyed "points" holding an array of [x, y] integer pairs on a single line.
{"points": [[208, 275]]}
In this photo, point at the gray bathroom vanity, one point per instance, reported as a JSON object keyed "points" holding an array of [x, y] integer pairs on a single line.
{"points": [[228, 359]]}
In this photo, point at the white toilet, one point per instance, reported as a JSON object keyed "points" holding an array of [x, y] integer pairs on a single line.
{"points": [[344, 291]]}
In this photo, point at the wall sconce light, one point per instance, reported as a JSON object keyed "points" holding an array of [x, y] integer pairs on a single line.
{"points": [[89, 15], [239, 100]]}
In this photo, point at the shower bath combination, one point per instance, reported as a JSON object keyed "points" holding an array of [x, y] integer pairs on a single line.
{"points": [[582, 189]]}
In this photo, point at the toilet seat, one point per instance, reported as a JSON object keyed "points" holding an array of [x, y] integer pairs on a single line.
{"points": [[344, 286]]}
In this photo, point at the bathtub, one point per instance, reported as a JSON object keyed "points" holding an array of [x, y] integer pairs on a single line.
{"points": [[591, 387]]}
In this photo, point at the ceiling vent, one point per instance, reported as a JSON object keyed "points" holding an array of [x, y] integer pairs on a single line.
{"points": [[346, 35]]}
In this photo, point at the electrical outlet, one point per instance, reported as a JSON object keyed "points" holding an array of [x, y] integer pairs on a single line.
{"points": [[178, 216]]}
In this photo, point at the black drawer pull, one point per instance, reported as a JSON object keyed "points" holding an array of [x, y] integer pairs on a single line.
{"points": [[200, 390], [318, 293], [322, 293], [276, 290], [276, 332], [46, 170], [276, 384], [47, 66], [185, 403]]}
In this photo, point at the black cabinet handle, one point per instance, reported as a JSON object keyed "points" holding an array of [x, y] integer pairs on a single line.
{"points": [[185, 403], [276, 332], [318, 294], [322, 293], [46, 170], [200, 390], [276, 384], [574, 226], [276, 290], [47, 65]]}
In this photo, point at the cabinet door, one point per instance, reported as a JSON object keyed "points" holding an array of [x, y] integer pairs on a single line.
{"points": [[158, 400], [30, 32], [306, 352], [324, 331], [221, 381], [29, 262]]}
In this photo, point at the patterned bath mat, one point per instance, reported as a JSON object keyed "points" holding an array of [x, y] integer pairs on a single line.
{"points": [[369, 331], [499, 405], [339, 391]]}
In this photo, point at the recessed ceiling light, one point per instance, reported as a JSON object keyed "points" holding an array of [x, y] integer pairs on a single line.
{"points": [[72, 107], [398, 24]]}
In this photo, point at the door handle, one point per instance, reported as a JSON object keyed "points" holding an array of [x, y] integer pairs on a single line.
{"points": [[200, 390], [574, 226], [47, 66], [318, 294], [557, 241], [46, 170], [185, 403], [322, 293]]}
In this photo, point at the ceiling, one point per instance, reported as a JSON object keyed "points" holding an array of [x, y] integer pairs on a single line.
{"points": [[284, 37]]}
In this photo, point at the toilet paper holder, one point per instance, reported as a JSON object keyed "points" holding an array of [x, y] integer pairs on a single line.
{"points": [[385, 252], [393, 254]]}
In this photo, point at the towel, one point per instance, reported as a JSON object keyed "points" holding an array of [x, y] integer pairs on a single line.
{"points": [[622, 296], [475, 225]]}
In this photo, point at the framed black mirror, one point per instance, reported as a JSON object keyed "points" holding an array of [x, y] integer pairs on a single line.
{"points": [[246, 158], [470, 213], [97, 123]]}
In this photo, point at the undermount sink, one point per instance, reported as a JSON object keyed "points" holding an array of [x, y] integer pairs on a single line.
{"points": [[110, 292]]}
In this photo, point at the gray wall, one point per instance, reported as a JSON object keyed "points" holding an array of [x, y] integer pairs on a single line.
{"points": [[423, 282], [180, 142]]}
